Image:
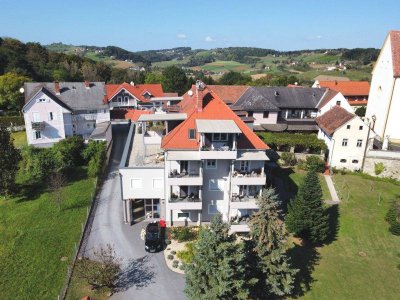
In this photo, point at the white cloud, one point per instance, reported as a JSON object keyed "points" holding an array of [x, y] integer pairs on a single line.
{"points": [[209, 39], [181, 36]]}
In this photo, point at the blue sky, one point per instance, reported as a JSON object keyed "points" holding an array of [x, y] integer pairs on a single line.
{"points": [[156, 24]]}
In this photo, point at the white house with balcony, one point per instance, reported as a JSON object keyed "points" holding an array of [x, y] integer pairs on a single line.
{"points": [[211, 163], [53, 111]]}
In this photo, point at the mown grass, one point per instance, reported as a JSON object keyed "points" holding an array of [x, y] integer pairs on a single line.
{"points": [[35, 235], [19, 138], [361, 261]]}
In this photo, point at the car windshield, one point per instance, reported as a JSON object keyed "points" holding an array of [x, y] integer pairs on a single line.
{"points": [[152, 232]]}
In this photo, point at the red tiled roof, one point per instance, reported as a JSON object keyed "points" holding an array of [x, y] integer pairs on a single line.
{"points": [[228, 93], [333, 119], [136, 90], [170, 94], [327, 97], [395, 42], [358, 102], [347, 88], [128, 114], [214, 109]]}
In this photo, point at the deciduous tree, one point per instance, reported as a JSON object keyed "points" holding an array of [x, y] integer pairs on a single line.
{"points": [[10, 96]]}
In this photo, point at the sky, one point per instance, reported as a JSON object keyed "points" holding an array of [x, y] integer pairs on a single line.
{"points": [[161, 24]]}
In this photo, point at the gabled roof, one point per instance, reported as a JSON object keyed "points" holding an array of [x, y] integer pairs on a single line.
{"points": [[74, 95], [328, 96], [276, 98], [395, 42], [137, 90], [334, 118], [348, 88], [43, 90], [227, 93], [213, 109]]}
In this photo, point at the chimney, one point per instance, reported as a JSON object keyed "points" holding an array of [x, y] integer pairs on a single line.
{"points": [[336, 82], [200, 86], [87, 84], [132, 83], [57, 88]]}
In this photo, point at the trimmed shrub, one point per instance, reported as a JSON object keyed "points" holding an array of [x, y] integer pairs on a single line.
{"points": [[182, 267], [284, 140], [288, 158], [395, 229], [393, 217], [173, 252], [170, 257], [315, 163], [379, 168], [175, 264], [183, 234]]}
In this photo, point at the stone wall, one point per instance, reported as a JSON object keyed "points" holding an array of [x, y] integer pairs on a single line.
{"points": [[391, 161]]}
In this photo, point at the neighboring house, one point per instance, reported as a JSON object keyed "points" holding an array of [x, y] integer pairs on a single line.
{"points": [[331, 99], [345, 135], [355, 92], [285, 108], [53, 111], [207, 162], [384, 99]]}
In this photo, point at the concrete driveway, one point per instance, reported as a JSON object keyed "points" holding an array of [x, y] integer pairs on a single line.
{"points": [[145, 276]]}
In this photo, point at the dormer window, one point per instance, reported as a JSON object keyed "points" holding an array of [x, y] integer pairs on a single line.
{"points": [[147, 94]]}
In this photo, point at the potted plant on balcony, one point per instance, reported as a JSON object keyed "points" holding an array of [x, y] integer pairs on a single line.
{"points": [[174, 196]]}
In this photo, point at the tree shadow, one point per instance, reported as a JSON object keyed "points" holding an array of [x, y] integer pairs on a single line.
{"points": [[285, 187], [138, 273], [304, 258], [29, 191], [333, 215]]}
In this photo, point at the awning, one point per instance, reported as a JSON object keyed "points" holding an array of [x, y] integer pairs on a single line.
{"points": [[252, 155], [217, 126], [162, 117], [183, 155], [166, 99]]}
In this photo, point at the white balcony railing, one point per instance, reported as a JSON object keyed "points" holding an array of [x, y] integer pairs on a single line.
{"points": [[84, 117]]}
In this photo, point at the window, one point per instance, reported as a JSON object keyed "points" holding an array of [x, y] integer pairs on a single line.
{"points": [[244, 166], [266, 114], [211, 164], [157, 183], [38, 135], [359, 143], [344, 142], [184, 215], [88, 125], [36, 117], [338, 102], [343, 160], [136, 183], [51, 117], [354, 161], [212, 209], [216, 185], [192, 134], [220, 137], [126, 100], [250, 114], [361, 127], [348, 126]]}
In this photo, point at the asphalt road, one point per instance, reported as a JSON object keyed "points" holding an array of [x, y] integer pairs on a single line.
{"points": [[145, 276]]}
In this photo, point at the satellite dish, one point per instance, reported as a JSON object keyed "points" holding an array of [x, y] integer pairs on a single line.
{"points": [[190, 93], [22, 90]]}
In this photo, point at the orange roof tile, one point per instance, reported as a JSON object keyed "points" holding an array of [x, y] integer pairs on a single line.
{"points": [[333, 119], [358, 102], [128, 113], [214, 109], [136, 90], [395, 42], [348, 88]]}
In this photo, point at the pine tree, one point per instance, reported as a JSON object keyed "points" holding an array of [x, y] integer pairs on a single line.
{"points": [[270, 240], [9, 159], [306, 214], [218, 268]]}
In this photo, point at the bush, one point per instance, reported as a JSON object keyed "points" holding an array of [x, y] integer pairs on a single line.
{"points": [[315, 163], [95, 154], [187, 255], [15, 121], [297, 140], [173, 252], [183, 234], [301, 164], [395, 229], [379, 168], [68, 152], [175, 264], [170, 257], [393, 217], [288, 158], [182, 267]]}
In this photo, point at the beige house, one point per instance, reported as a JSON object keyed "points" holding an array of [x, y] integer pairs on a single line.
{"points": [[384, 97], [346, 136]]}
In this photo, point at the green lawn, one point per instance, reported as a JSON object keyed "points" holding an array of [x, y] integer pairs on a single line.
{"points": [[225, 66], [19, 138], [361, 263], [34, 235]]}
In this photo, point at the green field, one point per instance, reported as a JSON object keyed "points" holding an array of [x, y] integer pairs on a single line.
{"points": [[362, 261], [35, 235], [224, 66], [19, 138]]}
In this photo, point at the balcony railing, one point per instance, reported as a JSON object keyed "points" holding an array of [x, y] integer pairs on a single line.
{"points": [[84, 117], [194, 198], [38, 125], [248, 173], [175, 174], [244, 198]]}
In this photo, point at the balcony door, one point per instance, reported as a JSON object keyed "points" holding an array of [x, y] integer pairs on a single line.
{"points": [[184, 167]]}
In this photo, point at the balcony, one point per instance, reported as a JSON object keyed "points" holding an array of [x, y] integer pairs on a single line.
{"points": [[244, 202], [84, 117], [38, 125], [253, 177], [183, 178], [218, 150], [192, 202]]}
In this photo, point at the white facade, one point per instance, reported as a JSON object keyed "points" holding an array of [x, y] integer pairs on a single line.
{"points": [[338, 99], [270, 117], [347, 144], [384, 97]]}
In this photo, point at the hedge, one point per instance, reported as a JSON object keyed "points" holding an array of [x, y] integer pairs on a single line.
{"points": [[297, 140], [16, 121]]}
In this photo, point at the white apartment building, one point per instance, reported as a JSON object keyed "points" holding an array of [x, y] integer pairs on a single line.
{"points": [[207, 162]]}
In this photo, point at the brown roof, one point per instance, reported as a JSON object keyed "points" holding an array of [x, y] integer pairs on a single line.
{"points": [[348, 88], [171, 95], [228, 93], [327, 97], [395, 42], [333, 119]]}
